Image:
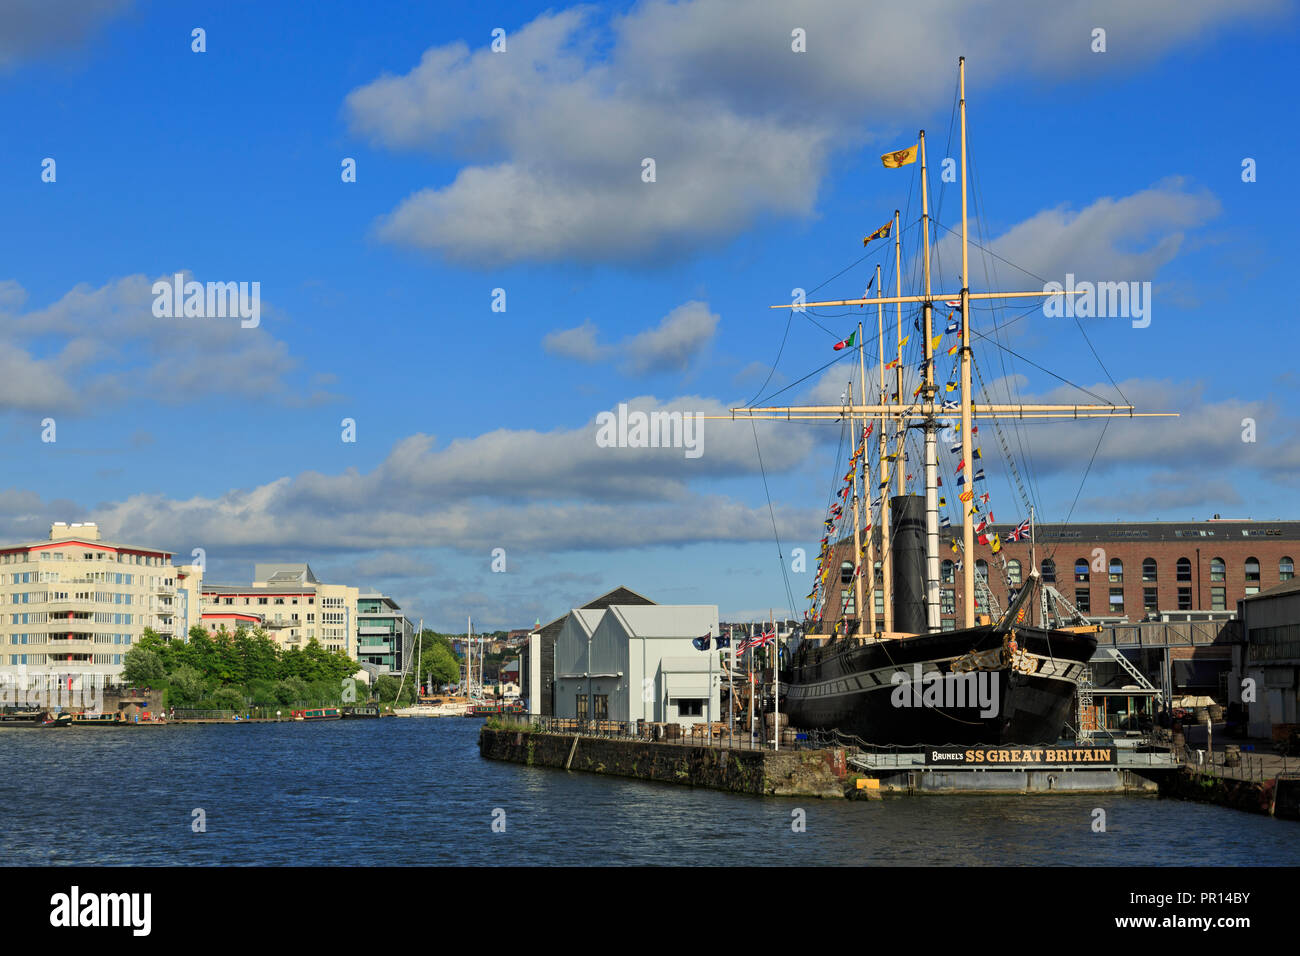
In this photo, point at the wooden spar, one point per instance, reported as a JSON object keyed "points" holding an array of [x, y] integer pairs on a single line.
{"points": [[919, 409], [933, 297], [788, 415], [967, 525], [883, 486], [900, 435], [864, 609], [931, 444]]}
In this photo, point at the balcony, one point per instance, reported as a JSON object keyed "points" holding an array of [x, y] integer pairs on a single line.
{"points": [[371, 649]]}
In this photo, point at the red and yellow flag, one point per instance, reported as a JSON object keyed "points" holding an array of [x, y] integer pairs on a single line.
{"points": [[899, 157]]}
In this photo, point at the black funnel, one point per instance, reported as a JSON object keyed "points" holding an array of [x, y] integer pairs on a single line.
{"points": [[907, 528]]}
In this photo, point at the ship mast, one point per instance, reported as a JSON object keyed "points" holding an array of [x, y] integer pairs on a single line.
{"points": [[927, 410], [857, 520], [931, 425], [866, 487], [886, 556], [967, 526]]}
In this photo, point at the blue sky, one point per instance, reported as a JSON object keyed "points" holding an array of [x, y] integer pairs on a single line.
{"points": [[522, 171]]}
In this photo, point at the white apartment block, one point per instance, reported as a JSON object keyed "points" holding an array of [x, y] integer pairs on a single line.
{"points": [[290, 604], [73, 605]]}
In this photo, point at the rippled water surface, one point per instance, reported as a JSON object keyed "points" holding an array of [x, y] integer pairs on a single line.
{"points": [[415, 791]]}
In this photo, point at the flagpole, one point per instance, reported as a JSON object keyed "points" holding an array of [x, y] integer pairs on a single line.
{"points": [[931, 453], [749, 656], [776, 683], [886, 559], [731, 688], [967, 527]]}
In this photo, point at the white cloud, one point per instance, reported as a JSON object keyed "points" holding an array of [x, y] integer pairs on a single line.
{"points": [[672, 345], [30, 28], [554, 130], [101, 346]]}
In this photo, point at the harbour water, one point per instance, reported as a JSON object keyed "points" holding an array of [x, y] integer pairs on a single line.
{"points": [[416, 792]]}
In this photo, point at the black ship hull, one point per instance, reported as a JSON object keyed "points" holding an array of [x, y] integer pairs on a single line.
{"points": [[977, 685]]}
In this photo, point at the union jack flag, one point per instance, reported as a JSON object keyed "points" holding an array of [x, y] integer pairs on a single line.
{"points": [[1019, 531]]}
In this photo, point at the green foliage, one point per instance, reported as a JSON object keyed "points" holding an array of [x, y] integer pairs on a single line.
{"points": [[227, 698], [141, 665], [186, 686], [291, 690]]}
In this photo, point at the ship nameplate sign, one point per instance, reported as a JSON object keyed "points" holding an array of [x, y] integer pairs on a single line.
{"points": [[1021, 756]]}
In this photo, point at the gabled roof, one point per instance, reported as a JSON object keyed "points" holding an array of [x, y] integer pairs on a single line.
{"points": [[620, 595]]}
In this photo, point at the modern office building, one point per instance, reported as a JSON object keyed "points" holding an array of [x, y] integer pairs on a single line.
{"points": [[290, 603], [74, 604], [385, 636]]}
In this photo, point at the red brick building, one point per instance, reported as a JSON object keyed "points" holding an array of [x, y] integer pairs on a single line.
{"points": [[1130, 571]]}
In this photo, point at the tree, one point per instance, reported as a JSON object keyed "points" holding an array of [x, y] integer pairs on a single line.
{"points": [[186, 686], [228, 698], [143, 666]]}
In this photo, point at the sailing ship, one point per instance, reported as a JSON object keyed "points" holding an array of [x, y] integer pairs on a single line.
{"points": [[910, 682]]}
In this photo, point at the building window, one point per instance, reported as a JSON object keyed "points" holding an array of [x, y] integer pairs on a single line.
{"points": [[1149, 569], [946, 572], [1049, 571], [1013, 571], [1150, 599], [1083, 600], [1218, 570], [1252, 570], [846, 572], [948, 624], [1184, 599], [582, 706], [1116, 571], [1285, 569], [1184, 571], [1218, 599], [948, 601], [690, 707], [1116, 600], [847, 602], [1081, 571], [600, 705]]}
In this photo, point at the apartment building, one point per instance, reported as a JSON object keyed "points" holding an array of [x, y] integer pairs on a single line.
{"points": [[74, 604], [290, 603], [385, 635]]}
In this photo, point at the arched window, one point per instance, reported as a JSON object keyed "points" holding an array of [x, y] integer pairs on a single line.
{"points": [[946, 571], [1218, 570], [1184, 571], [1149, 569], [1116, 571], [1285, 569], [846, 572], [1049, 571], [982, 569], [1252, 570], [1013, 571], [1081, 571]]}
